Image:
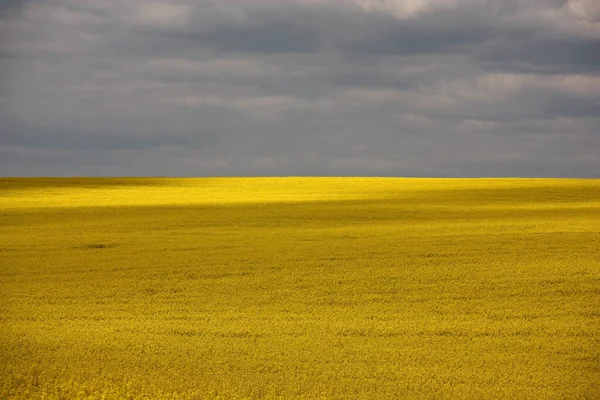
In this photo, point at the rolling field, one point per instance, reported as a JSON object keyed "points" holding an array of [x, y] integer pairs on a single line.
{"points": [[318, 288]]}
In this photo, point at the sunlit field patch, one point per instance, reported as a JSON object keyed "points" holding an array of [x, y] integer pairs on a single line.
{"points": [[342, 288]]}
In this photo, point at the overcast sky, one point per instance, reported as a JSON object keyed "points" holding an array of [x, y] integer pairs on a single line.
{"points": [[300, 87]]}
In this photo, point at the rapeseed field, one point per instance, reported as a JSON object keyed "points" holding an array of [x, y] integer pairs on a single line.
{"points": [[289, 288]]}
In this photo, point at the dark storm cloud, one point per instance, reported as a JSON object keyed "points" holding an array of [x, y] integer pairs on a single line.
{"points": [[11, 6], [542, 55], [266, 35], [365, 87], [571, 106], [17, 133], [493, 32], [289, 28]]}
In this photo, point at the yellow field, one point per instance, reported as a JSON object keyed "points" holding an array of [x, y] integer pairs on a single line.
{"points": [[355, 288]]}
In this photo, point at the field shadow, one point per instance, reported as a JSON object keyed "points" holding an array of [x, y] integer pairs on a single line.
{"points": [[186, 219], [96, 246], [525, 199], [530, 193], [408, 191], [23, 184]]}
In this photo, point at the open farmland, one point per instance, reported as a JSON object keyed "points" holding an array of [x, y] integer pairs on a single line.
{"points": [[358, 288]]}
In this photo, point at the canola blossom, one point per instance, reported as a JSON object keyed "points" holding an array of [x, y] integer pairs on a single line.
{"points": [[299, 288]]}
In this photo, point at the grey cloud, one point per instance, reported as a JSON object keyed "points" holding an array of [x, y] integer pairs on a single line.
{"points": [[572, 106], [499, 36], [243, 88], [290, 28], [278, 28], [17, 133], [265, 37], [542, 55], [11, 7]]}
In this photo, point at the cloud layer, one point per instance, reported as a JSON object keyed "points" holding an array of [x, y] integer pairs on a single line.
{"points": [[302, 87]]}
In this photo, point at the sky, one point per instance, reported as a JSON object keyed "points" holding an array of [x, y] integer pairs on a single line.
{"points": [[444, 88]]}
